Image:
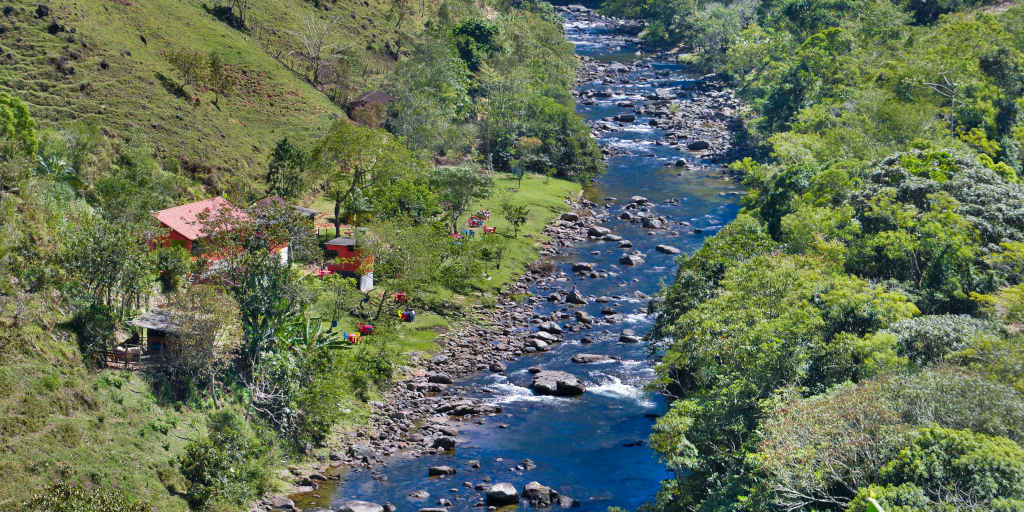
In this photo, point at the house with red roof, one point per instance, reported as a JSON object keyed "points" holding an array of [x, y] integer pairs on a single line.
{"points": [[186, 224]]}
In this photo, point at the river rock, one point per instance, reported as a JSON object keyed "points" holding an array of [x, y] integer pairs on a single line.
{"points": [[421, 494], [550, 327], [629, 336], [584, 317], [539, 495], [360, 506], [544, 336], [502, 494], [498, 367], [668, 249], [698, 145], [445, 443], [440, 471], [282, 503], [582, 266], [570, 216], [433, 509], [557, 383], [631, 259], [591, 358], [440, 378], [567, 502], [575, 297], [598, 231], [625, 118], [653, 223], [611, 238]]}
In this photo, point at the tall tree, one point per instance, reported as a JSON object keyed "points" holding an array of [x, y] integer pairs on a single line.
{"points": [[457, 187]]}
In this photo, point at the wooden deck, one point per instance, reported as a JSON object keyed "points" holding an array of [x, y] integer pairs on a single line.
{"points": [[132, 362]]}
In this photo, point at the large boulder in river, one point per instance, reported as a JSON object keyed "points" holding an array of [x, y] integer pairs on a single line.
{"points": [[629, 336], [582, 266], [502, 494], [668, 249], [653, 223], [575, 297], [698, 145], [591, 358], [570, 216], [551, 327], [539, 495], [360, 506], [631, 259], [549, 382], [440, 471], [598, 231], [625, 118]]}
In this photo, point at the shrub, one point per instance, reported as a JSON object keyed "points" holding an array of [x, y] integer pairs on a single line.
{"points": [[959, 467], [64, 496], [227, 466], [174, 264], [94, 327], [927, 339]]}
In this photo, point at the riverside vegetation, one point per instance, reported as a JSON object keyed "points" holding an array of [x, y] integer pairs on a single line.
{"points": [[855, 332], [107, 115]]}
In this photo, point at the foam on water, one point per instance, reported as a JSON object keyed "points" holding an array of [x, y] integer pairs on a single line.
{"points": [[508, 393], [613, 387]]}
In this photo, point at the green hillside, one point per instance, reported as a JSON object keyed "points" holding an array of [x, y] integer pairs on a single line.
{"points": [[111, 109], [107, 62]]}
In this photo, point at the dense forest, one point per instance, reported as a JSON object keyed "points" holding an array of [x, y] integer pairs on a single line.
{"points": [[100, 126], [855, 332]]}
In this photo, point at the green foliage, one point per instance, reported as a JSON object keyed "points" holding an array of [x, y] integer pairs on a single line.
{"points": [[287, 172], [17, 128], [928, 340], [227, 467], [475, 39], [94, 326], [65, 496], [173, 264], [456, 187], [108, 264], [958, 468], [515, 214]]}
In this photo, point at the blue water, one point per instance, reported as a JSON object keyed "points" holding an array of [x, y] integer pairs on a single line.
{"points": [[580, 444]]}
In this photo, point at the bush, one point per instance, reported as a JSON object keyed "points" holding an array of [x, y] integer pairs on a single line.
{"points": [[174, 264], [64, 496], [228, 466], [959, 467], [94, 327], [928, 339]]}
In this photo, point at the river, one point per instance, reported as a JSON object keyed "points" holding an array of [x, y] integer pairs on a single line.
{"points": [[592, 448]]}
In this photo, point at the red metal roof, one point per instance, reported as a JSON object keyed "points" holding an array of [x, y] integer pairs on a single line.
{"points": [[185, 218]]}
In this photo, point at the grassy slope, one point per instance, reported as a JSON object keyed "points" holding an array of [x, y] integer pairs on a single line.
{"points": [[131, 99], [56, 418]]}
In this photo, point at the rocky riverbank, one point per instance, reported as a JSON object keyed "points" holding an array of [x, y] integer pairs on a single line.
{"points": [[422, 413], [699, 117]]}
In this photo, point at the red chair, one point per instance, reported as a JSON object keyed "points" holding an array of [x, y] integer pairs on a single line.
{"points": [[492, 229], [365, 329]]}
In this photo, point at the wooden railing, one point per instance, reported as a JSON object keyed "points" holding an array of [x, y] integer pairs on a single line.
{"points": [[131, 361]]}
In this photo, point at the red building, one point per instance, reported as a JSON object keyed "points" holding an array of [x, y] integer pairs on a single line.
{"points": [[185, 224], [344, 257]]}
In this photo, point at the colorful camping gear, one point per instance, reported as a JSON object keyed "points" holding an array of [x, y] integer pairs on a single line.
{"points": [[400, 297], [365, 329]]}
